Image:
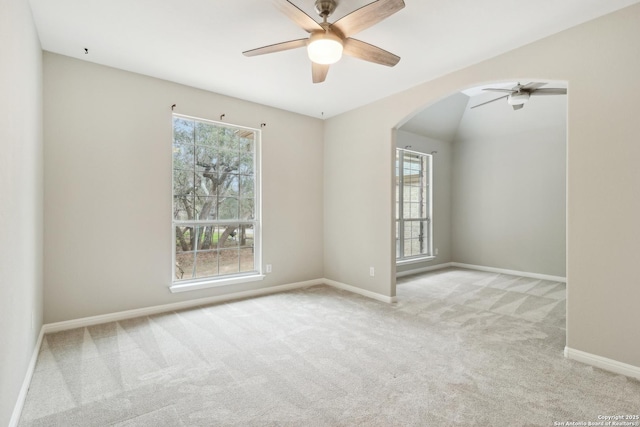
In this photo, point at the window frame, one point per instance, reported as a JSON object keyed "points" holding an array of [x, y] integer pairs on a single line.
{"points": [[400, 220], [256, 222]]}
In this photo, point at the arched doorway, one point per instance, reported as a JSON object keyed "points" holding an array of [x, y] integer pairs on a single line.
{"points": [[499, 182]]}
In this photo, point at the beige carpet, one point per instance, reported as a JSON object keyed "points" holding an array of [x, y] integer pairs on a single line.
{"points": [[459, 348]]}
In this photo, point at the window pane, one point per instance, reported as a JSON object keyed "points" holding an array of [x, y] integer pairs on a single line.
{"points": [[246, 186], [227, 236], [246, 141], [245, 236], [205, 208], [182, 182], [245, 163], [206, 238], [228, 208], [206, 263], [414, 193], [228, 161], [183, 198], [184, 265], [247, 261], [183, 208], [205, 184], [184, 239], [426, 238], [416, 238], [246, 207], [183, 156], [414, 211], [247, 250], [228, 139], [229, 261], [184, 252], [183, 130], [206, 134], [229, 185], [205, 158], [406, 193], [412, 238]]}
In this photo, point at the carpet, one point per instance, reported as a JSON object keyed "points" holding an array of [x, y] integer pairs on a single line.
{"points": [[460, 348]]}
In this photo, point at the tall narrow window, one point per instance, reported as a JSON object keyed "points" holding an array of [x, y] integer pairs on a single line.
{"points": [[413, 205], [216, 219]]}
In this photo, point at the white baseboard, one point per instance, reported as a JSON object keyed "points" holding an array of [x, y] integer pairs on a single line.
{"points": [[360, 291], [424, 269], [602, 362], [510, 272], [17, 409], [147, 311]]}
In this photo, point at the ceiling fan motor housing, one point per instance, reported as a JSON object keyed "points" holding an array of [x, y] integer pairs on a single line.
{"points": [[325, 7], [518, 98], [327, 41]]}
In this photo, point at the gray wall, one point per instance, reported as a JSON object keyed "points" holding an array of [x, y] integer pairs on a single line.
{"points": [[603, 175], [20, 198], [108, 188], [441, 195], [508, 193]]}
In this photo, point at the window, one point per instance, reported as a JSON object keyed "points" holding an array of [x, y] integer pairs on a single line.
{"points": [[413, 206], [216, 221]]}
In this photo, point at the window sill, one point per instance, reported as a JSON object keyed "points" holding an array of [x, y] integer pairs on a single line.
{"points": [[204, 284], [415, 260]]}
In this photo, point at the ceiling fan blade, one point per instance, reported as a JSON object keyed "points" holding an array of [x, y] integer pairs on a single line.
{"points": [[296, 14], [518, 106], [550, 91], [500, 90], [489, 102], [278, 47], [319, 72], [369, 52], [366, 16], [533, 85]]}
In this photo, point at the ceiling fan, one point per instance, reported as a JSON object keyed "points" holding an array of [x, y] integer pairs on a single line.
{"points": [[328, 41], [520, 94]]}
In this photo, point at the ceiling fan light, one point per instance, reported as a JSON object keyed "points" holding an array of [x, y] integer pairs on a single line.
{"points": [[324, 48], [518, 98]]}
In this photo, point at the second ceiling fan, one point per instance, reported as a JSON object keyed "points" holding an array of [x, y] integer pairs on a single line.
{"points": [[328, 41], [520, 94]]}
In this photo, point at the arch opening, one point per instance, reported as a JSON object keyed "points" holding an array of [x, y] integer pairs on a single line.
{"points": [[499, 180]]}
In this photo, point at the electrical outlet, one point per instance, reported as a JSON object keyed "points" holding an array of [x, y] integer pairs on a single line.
{"points": [[372, 272], [436, 251], [268, 268]]}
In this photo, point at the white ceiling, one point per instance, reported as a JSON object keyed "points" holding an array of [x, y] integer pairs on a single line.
{"points": [[199, 43]]}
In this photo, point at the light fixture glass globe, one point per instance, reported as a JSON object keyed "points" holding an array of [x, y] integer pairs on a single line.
{"points": [[324, 48], [518, 98]]}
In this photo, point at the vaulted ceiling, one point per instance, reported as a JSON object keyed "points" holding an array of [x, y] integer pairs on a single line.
{"points": [[200, 43], [441, 120]]}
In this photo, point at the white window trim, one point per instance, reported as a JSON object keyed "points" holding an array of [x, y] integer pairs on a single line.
{"points": [[415, 260], [420, 258], [212, 282], [194, 285]]}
